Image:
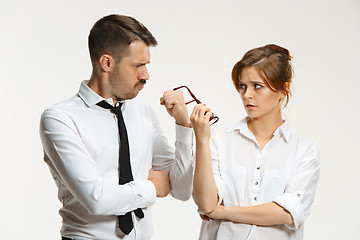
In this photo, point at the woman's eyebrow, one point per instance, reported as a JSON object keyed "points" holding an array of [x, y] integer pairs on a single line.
{"points": [[257, 82]]}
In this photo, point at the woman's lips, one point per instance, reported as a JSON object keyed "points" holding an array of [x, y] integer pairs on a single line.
{"points": [[250, 106]]}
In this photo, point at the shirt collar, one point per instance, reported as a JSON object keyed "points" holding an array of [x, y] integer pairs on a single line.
{"points": [[243, 129], [90, 97], [242, 126], [284, 130]]}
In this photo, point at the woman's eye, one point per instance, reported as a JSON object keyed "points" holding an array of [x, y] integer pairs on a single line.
{"points": [[257, 86], [242, 86]]}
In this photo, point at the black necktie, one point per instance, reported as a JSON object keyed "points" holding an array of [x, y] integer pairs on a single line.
{"points": [[125, 221]]}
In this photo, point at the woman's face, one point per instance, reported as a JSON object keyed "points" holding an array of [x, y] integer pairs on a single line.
{"points": [[259, 100]]}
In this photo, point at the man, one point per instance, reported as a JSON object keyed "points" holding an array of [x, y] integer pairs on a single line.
{"points": [[94, 137]]}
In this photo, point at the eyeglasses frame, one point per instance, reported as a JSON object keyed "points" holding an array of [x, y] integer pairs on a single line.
{"points": [[213, 119]]}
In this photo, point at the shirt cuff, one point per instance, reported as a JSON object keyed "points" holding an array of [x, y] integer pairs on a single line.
{"points": [[184, 134], [145, 193], [292, 203]]}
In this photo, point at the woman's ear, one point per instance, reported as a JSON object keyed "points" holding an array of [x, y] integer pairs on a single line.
{"points": [[287, 88], [285, 92]]}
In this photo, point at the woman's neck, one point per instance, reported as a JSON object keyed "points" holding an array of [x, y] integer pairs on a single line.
{"points": [[263, 128]]}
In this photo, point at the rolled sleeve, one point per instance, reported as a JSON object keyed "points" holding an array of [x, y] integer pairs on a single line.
{"points": [[293, 205], [300, 192]]}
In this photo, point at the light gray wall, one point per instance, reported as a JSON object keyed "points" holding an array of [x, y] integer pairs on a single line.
{"points": [[44, 56]]}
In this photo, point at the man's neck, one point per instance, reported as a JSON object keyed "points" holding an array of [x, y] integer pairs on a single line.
{"points": [[97, 84]]}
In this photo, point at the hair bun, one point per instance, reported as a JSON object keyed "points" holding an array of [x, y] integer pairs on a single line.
{"points": [[273, 48]]}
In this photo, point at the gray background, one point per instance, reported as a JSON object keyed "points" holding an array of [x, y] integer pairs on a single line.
{"points": [[44, 57]]}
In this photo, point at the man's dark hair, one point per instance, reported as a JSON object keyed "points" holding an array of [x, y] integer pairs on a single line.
{"points": [[113, 34]]}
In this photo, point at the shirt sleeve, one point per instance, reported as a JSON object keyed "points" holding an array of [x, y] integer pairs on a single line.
{"points": [[181, 174], [300, 192], [71, 162], [178, 163]]}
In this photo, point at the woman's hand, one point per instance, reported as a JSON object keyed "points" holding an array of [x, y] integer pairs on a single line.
{"points": [[204, 217], [200, 122]]}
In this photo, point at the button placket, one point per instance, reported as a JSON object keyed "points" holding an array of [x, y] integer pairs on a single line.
{"points": [[257, 175]]}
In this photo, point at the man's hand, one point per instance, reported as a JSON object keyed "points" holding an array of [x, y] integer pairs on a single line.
{"points": [[161, 181], [176, 107]]}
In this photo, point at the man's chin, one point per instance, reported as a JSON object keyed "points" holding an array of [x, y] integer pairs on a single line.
{"points": [[131, 95], [134, 95]]}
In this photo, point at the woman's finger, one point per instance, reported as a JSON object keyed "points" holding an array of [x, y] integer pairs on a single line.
{"points": [[204, 217], [200, 113], [208, 115], [202, 109]]}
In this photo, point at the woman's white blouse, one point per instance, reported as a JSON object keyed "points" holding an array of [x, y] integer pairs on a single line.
{"points": [[285, 171]]}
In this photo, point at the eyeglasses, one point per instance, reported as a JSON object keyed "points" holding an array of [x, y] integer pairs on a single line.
{"points": [[213, 119]]}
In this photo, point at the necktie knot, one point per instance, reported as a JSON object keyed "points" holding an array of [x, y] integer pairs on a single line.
{"points": [[115, 110]]}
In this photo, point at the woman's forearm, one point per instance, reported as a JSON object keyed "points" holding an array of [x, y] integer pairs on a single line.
{"points": [[205, 191], [264, 214]]}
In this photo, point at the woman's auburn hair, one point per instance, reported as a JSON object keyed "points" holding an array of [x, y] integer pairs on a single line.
{"points": [[273, 65]]}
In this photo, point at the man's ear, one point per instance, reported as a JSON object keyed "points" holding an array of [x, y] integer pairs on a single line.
{"points": [[106, 62]]}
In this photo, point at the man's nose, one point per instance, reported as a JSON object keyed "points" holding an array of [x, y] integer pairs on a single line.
{"points": [[144, 74]]}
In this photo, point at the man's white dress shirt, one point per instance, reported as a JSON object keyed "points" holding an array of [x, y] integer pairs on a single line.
{"points": [[285, 171], [81, 147]]}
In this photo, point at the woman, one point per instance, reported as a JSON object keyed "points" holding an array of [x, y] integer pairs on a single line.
{"points": [[256, 179]]}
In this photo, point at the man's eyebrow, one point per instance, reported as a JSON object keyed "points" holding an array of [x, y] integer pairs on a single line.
{"points": [[142, 63]]}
